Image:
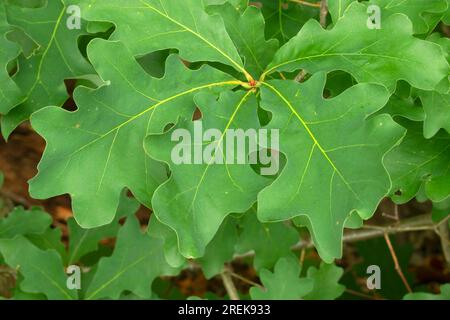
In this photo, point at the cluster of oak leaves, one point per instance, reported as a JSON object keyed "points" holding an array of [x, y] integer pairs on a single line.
{"points": [[382, 130]]}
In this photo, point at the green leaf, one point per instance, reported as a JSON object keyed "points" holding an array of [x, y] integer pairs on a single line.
{"points": [[284, 19], [247, 32], [404, 107], [183, 25], [441, 210], [22, 222], [284, 283], [104, 153], [418, 161], [43, 271], [375, 252], [326, 282], [50, 239], [83, 241], [41, 77], [189, 202], [137, 260], [414, 9], [444, 295], [380, 56], [337, 8], [221, 249], [334, 157], [423, 14], [169, 238], [269, 241], [437, 112], [10, 94]]}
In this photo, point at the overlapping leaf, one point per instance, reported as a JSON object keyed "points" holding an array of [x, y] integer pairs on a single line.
{"points": [[437, 110], [337, 8], [334, 156], [423, 14], [284, 283], [415, 10], [284, 19], [43, 271], [247, 32], [190, 201], [41, 77], [221, 249], [10, 94], [382, 56], [104, 153], [137, 260], [418, 161], [83, 241], [150, 25], [269, 241], [444, 295], [326, 282], [22, 222]]}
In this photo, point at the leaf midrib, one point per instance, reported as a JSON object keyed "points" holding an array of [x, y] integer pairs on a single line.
{"points": [[198, 35], [313, 138], [270, 70]]}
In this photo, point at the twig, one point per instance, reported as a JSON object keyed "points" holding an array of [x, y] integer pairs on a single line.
{"points": [[323, 13], [418, 223], [361, 295], [306, 3], [397, 265], [300, 76], [244, 279], [302, 257], [395, 217], [444, 235], [15, 198], [229, 285]]}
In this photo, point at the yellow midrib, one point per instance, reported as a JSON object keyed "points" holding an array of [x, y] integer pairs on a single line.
{"points": [[310, 133], [209, 43], [230, 121]]}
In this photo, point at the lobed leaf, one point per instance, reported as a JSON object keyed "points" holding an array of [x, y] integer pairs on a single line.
{"points": [[191, 202], [41, 76], [105, 153], [334, 157], [381, 56]]}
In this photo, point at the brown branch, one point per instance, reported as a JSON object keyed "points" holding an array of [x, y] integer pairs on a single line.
{"points": [[15, 198], [229, 285], [417, 223], [244, 279], [361, 295], [323, 13], [444, 235], [397, 265], [306, 3]]}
